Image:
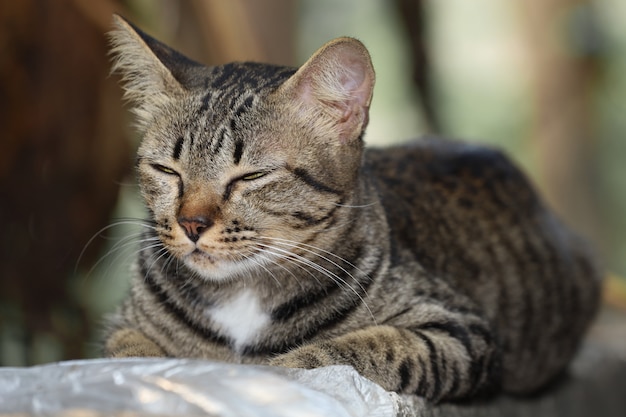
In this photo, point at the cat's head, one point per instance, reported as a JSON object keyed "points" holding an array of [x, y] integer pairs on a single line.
{"points": [[239, 163]]}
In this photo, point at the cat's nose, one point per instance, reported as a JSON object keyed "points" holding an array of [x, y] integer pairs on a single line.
{"points": [[194, 226]]}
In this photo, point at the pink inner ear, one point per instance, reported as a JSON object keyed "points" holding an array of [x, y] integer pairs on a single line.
{"points": [[354, 80], [356, 84], [339, 78]]}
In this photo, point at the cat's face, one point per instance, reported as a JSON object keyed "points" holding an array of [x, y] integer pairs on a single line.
{"points": [[227, 196], [246, 162]]}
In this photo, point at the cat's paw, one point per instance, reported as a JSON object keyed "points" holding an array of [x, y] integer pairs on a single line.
{"points": [[305, 357], [127, 343]]}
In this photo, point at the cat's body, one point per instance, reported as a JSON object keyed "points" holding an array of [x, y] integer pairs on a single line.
{"points": [[276, 239]]}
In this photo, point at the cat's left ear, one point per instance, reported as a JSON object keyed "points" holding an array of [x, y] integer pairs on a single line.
{"points": [[333, 89]]}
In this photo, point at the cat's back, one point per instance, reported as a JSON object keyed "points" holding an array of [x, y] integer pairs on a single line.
{"points": [[468, 215], [437, 191], [466, 211], [453, 168]]}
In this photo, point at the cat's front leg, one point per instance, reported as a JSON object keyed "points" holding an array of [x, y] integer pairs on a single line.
{"points": [[126, 342], [428, 362]]}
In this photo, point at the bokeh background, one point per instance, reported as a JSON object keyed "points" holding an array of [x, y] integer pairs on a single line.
{"points": [[543, 79]]}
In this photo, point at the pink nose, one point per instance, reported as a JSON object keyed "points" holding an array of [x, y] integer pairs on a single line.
{"points": [[194, 226]]}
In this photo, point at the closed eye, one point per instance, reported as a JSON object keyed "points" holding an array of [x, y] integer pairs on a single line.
{"points": [[252, 176], [246, 177], [164, 169]]}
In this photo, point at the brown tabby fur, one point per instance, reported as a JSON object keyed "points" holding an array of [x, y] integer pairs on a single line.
{"points": [[275, 238]]}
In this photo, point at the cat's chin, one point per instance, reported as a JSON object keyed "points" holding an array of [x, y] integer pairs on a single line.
{"points": [[211, 268]]}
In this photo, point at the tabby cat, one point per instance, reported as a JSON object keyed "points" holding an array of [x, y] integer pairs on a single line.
{"points": [[275, 238]]}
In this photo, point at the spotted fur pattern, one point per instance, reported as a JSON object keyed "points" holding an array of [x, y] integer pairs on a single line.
{"points": [[275, 238]]}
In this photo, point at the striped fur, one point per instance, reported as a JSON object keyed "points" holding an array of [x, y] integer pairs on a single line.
{"points": [[275, 238]]}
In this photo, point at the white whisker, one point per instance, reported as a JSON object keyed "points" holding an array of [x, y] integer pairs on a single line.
{"points": [[291, 261], [117, 250], [252, 255], [356, 206], [305, 247], [161, 253], [134, 222], [324, 271]]}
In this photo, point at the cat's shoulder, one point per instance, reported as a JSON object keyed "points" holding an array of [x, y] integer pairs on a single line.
{"points": [[443, 157], [451, 166]]}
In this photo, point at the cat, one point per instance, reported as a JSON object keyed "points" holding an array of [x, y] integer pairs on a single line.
{"points": [[275, 237]]}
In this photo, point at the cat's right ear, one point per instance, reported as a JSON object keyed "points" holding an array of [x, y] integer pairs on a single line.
{"points": [[147, 67]]}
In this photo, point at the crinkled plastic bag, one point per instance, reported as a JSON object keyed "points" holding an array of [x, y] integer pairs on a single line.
{"points": [[191, 388]]}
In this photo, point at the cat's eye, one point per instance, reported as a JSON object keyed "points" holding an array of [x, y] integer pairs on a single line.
{"points": [[253, 176], [164, 169]]}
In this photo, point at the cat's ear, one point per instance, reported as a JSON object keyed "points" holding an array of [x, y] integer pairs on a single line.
{"points": [[334, 88], [151, 71]]}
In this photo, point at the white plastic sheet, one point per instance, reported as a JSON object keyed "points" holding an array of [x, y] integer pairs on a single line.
{"points": [[191, 388]]}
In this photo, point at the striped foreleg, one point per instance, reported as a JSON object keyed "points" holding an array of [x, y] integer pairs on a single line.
{"points": [[436, 360]]}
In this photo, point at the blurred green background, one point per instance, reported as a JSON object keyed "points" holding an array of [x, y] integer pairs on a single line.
{"points": [[543, 79]]}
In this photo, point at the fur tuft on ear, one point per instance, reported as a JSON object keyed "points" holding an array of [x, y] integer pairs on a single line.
{"points": [[143, 64], [334, 88]]}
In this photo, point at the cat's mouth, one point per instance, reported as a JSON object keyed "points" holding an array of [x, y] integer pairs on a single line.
{"points": [[197, 251], [198, 254], [214, 266]]}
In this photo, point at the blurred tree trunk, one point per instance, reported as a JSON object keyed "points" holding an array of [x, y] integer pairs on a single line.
{"points": [[561, 45], [413, 15], [62, 155], [216, 32]]}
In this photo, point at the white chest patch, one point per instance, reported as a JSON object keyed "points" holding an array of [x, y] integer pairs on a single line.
{"points": [[241, 317]]}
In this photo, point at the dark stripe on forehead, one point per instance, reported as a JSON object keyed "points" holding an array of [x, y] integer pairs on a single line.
{"points": [[206, 101], [178, 148], [247, 104], [238, 151], [248, 76], [222, 78], [220, 140]]}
